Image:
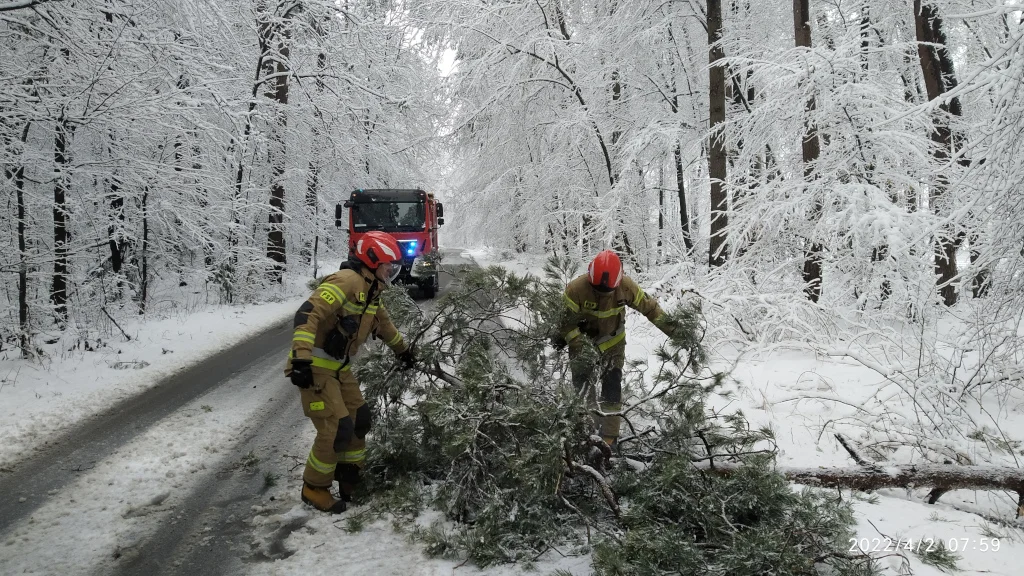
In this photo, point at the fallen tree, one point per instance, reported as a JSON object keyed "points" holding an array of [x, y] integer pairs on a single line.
{"points": [[866, 477], [942, 478], [490, 431]]}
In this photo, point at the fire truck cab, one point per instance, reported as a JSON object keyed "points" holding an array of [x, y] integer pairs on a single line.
{"points": [[412, 216]]}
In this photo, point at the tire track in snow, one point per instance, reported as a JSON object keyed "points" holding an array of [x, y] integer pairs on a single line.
{"points": [[111, 509], [35, 480]]}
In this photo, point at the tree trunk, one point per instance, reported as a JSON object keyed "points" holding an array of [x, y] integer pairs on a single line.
{"points": [[17, 175], [208, 228], [865, 29], [115, 226], [63, 133], [144, 256], [980, 282], [739, 97], [278, 66], [939, 77], [240, 172], [315, 162], [661, 214], [623, 246], [716, 147], [684, 216], [941, 478], [879, 253], [811, 149]]}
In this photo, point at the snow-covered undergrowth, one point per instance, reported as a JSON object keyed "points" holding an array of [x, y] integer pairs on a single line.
{"points": [[933, 383]]}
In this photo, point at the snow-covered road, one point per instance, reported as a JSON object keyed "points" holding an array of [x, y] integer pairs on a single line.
{"points": [[138, 507]]}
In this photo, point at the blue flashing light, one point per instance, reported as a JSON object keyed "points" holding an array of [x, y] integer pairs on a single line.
{"points": [[411, 251]]}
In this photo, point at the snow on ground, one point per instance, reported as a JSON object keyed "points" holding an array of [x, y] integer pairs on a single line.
{"points": [[377, 549], [38, 401], [126, 496], [789, 388]]}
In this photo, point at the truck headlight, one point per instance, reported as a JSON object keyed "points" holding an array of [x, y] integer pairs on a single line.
{"points": [[422, 267]]}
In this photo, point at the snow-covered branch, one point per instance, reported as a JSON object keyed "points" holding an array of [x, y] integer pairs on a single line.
{"points": [[8, 6]]}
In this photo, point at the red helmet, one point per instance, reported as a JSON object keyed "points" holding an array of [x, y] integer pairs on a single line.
{"points": [[376, 248], [605, 270]]}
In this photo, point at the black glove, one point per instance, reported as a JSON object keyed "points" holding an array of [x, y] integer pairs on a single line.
{"points": [[407, 358], [302, 373], [558, 343]]}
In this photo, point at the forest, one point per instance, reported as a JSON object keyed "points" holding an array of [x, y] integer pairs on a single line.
{"points": [[843, 173], [833, 183]]}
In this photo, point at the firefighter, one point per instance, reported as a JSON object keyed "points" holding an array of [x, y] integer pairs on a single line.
{"points": [[330, 328], [595, 305]]}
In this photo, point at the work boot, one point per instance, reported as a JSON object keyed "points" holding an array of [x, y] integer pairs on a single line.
{"points": [[348, 478], [319, 497]]}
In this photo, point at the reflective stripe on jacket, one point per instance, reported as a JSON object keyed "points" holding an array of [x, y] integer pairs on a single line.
{"points": [[602, 316], [347, 294]]}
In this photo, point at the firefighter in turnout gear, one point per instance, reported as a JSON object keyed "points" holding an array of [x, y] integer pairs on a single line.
{"points": [[330, 328], [595, 305]]}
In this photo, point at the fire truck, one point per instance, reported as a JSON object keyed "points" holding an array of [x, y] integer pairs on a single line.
{"points": [[412, 216]]}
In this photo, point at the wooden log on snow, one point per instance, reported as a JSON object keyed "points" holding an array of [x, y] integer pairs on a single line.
{"points": [[940, 477]]}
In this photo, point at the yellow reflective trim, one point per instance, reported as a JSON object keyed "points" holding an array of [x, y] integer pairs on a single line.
{"points": [[572, 334], [569, 303], [316, 406], [371, 309], [639, 297], [352, 457], [605, 313], [659, 318], [303, 336], [329, 364], [353, 308], [334, 290], [604, 346], [319, 466], [395, 340]]}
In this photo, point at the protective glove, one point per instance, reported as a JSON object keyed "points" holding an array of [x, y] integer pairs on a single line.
{"points": [[407, 359], [302, 373], [558, 343]]}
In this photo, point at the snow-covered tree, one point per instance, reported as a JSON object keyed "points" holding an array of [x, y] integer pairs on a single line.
{"points": [[155, 145]]}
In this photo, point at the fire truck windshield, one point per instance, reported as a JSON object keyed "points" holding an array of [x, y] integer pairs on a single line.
{"points": [[388, 216]]}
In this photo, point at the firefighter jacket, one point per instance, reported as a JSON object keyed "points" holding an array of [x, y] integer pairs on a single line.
{"points": [[340, 315], [601, 316]]}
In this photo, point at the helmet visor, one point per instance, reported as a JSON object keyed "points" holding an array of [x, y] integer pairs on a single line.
{"points": [[388, 271]]}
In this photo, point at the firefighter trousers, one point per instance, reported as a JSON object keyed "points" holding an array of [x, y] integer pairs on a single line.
{"points": [[341, 417], [609, 370]]}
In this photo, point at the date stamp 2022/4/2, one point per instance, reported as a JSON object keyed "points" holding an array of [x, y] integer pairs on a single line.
{"points": [[923, 544]]}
